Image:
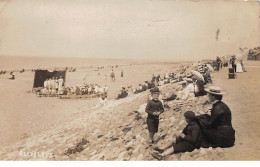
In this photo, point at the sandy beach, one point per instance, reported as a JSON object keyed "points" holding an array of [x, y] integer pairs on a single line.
{"points": [[23, 113], [74, 130]]}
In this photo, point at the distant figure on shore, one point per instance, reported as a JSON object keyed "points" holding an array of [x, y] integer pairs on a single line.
{"points": [[232, 61], [122, 73], [112, 76], [218, 63], [153, 78], [217, 127], [239, 67], [12, 76]]}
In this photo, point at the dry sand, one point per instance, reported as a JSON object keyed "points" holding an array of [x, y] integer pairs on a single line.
{"points": [[23, 114], [116, 132]]}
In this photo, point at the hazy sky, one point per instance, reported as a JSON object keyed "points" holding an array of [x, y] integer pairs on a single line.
{"points": [[148, 29]]}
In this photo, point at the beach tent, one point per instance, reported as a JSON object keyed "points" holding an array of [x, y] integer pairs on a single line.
{"points": [[42, 75]]}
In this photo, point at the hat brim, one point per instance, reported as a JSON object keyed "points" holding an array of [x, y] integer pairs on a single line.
{"points": [[214, 93], [198, 75]]}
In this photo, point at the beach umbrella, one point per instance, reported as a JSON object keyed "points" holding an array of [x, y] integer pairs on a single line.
{"points": [[197, 74], [210, 67]]}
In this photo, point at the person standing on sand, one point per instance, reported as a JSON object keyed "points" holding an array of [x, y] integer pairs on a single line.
{"points": [[217, 127], [154, 108], [60, 83], [122, 73], [112, 76]]}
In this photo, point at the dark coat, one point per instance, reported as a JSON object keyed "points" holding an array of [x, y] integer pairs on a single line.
{"points": [[153, 106], [200, 85], [123, 94], [217, 127], [192, 134]]}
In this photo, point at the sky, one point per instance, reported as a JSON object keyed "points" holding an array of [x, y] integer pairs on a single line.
{"points": [[146, 29]]}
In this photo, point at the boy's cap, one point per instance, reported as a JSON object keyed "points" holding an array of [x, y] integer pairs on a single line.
{"points": [[155, 90], [189, 115]]}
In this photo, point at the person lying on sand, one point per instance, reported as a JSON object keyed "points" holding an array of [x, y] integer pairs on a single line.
{"points": [[186, 142]]}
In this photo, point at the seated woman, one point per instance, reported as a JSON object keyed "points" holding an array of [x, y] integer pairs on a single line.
{"points": [[198, 81], [186, 142], [217, 127], [138, 89], [207, 76], [188, 91]]}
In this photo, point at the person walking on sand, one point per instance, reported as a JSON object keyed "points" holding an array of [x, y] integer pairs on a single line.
{"points": [[112, 76], [122, 73], [154, 108]]}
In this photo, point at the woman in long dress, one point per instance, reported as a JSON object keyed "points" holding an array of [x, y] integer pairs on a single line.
{"points": [[239, 67], [217, 127]]}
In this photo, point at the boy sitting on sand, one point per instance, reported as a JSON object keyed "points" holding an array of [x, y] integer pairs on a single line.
{"points": [[154, 108], [187, 141]]}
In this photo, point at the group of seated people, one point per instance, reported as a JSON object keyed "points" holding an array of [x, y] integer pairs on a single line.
{"points": [[60, 89], [53, 86], [68, 69], [86, 89], [2, 72], [214, 130], [193, 83], [155, 81]]}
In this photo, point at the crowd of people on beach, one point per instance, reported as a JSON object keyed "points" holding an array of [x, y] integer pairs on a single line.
{"points": [[11, 73], [55, 86], [68, 69], [192, 82], [205, 130], [86, 89]]}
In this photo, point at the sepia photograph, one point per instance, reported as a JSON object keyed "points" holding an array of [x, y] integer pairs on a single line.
{"points": [[126, 81]]}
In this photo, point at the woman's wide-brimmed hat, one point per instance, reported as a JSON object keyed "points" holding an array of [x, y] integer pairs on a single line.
{"points": [[198, 75], [215, 90]]}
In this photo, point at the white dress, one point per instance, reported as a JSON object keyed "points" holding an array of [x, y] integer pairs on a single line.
{"points": [[239, 68], [187, 92]]}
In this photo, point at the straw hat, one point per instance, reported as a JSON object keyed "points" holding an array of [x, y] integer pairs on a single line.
{"points": [[197, 74], [215, 90]]}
